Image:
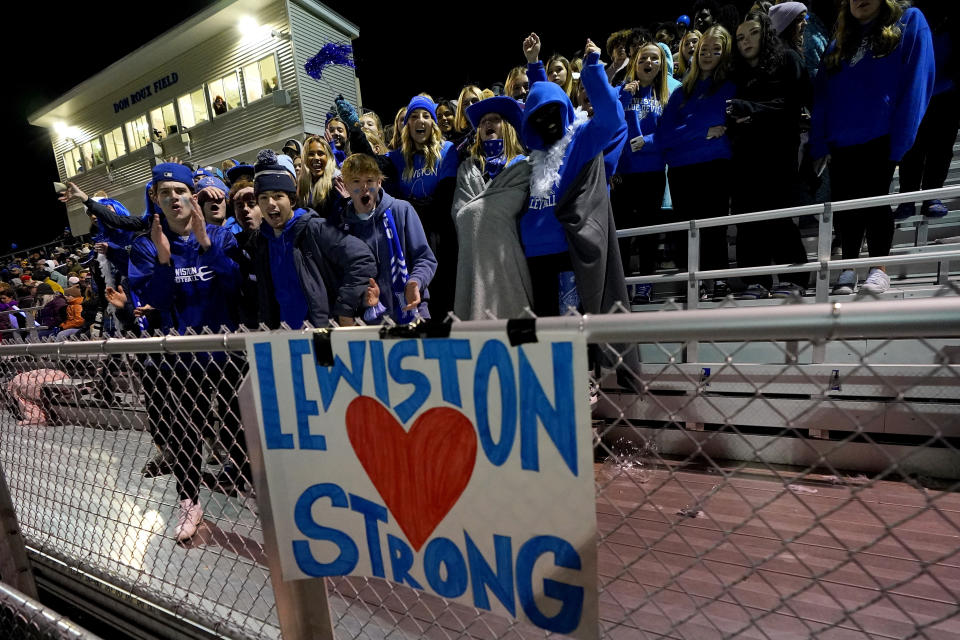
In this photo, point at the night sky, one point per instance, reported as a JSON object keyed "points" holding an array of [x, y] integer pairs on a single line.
{"points": [[481, 47]]}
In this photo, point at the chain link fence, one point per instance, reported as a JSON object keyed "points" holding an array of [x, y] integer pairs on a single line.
{"points": [[784, 471], [23, 618]]}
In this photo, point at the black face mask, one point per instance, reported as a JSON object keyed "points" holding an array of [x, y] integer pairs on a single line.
{"points": [[547, 122]]}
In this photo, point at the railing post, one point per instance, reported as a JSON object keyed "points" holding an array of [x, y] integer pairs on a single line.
{"points": [[923, 228], [824, 253], [15, 567], [692, 348]]}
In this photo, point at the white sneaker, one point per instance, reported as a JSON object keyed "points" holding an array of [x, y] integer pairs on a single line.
{"points": [[248, 500], [846, 283], [877, 281], [191, 515]]}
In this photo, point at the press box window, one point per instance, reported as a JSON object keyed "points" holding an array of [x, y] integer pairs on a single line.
{"points": [[193, 108], [72, 162], [224, 94], [92, 153], [260, 78], [114, 143], [138, 133], [163, 121]]}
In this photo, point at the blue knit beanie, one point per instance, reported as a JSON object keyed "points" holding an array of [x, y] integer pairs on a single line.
{"points": [[419, 102], [271, 175], [173, 172]]}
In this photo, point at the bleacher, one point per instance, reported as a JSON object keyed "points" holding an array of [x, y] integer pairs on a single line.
{"points": [[822, 392]]}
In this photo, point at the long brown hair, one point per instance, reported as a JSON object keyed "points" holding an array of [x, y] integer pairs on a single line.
{"points": [[682, 66], [722, 72], [431, 150], [883, 38], [567, 85], [660, 87], [460, 121]]}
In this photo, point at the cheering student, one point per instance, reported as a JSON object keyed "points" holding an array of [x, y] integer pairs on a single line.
{"points": [[692, 137], [183, 270], [316, 188], [307, 270], [492, 274], [391, 230], [870, 96]]}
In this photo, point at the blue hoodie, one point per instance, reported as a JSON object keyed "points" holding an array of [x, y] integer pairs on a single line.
{"points": [[283, 272], [422, 184], [643, 112], [197, 288], [682, 136], [875, 97], [421, 263], [540, 231]]}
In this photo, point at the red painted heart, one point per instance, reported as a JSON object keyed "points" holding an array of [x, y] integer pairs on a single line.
{"points": [[421, 473]]}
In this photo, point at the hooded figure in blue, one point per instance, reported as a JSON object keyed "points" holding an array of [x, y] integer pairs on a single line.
{"points": [[391, 230], [307, 269], [182, 267], [562, 148]]}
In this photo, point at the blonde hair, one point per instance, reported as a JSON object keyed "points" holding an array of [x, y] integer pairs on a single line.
{"points": [[431, 150], [723, 69], [881, 41], [682, 66], [512, 78], [396, 140], [312, 192], [360, 164], [376, 121], [511, 145], [376, 143], [567, 85], [660, 88], [460, 121]]}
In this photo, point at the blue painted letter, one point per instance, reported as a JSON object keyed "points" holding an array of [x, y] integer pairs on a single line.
{"points": [[571, 596], [303, 517], [447, 352], [420, 382], [494, 355], [442, 551], [274, 437], [329, 377], [482, 576], [372, 512], [560, 420], [305, 408]]}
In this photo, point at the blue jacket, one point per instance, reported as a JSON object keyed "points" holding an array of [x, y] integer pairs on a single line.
{"points": [[875, 97], [333, 270], [540, 231], [197, 288], [643, 112], [421, 263], [614, 148], [682, 135], [291, 301], [422, 184]]}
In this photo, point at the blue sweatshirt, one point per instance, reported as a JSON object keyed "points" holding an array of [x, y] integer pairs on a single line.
{"points": [[283, 272], [643, 112], [682, 136], [540, 231], [196, 289], [875, 97], [421, 263], [422, 184]]}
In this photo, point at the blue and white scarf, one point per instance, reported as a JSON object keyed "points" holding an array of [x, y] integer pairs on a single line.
{"points": [[398, 271]]}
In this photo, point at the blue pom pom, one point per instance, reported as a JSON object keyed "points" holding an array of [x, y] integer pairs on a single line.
{"points": [[267, 156], [330, 53]]}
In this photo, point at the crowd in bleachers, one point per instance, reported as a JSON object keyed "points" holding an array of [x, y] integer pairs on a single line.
{"points": [[509, 198]]}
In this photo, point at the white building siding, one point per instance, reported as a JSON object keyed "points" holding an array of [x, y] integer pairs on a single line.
{"points": [[310, 33]]}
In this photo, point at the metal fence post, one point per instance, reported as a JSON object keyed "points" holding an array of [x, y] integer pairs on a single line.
{"points": [[824, 252], [302, 606], [692, 348], [14, 565]]}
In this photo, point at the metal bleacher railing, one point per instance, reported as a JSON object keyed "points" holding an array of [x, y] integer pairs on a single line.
{"points": [[690, 545], [823, 265]]}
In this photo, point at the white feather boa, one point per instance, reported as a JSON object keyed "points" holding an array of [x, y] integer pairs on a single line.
{"points": [[545, 165]]}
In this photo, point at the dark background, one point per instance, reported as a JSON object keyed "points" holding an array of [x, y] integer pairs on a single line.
{"points": [[403, 49]]}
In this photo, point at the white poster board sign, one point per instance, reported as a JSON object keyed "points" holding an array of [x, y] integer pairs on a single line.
{"points": [[459, 466]]}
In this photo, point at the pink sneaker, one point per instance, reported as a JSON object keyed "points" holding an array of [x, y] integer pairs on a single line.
{"points": [[191, 515]]}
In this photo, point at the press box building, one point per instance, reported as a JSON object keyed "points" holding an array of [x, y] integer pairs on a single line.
{"points": [[225, 83]]}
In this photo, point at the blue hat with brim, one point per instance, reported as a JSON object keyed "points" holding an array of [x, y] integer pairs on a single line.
{"points": [[508, 108], [211, 181], [172, 172], [239, 171], [684, 20]]}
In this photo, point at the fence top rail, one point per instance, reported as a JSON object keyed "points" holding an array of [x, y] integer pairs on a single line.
{"points": [[937, 317], [790, 212], [45, 620]]}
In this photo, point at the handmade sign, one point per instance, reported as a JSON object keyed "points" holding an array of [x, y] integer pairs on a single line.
{"points": [[460, 466]]}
